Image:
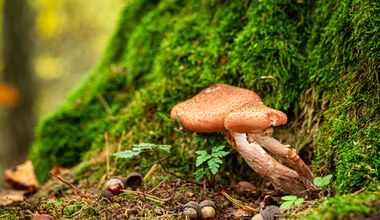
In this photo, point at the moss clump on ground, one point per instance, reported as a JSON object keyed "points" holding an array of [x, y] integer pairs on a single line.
{"points": [[364, 205], [317, 61]]}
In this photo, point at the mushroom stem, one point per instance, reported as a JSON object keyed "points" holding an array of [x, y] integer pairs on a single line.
{"points": [[261, 162], [289, 155]]}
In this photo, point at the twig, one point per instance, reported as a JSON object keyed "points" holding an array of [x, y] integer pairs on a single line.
{"points": [[107, 155], [118, 151], [237, 202], [166, 171], [156, 162], [148, 196], [359, 191], [158, 185], [75, 189], [152, 170]]}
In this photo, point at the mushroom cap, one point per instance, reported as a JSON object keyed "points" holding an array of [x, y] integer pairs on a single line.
{"points": [[254, 117], [205, 112]]}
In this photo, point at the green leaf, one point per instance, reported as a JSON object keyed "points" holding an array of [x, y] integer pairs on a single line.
{"points": [[203, 157], [290, 198], [164, 147], [299, 201], [217, 149], [318, 181], [143, 146], [220, 154], [326, 180], [213, 164], [286, 204], [127, 154]]}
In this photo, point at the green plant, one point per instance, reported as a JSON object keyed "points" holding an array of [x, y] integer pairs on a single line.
{"points": [[213, 161], [142, 147], [318, 181], [290, 200]]}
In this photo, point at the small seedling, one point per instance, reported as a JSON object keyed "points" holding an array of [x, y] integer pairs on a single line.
{"points": [[213, 161], [318, 181], [142, 147], [290, 200]]}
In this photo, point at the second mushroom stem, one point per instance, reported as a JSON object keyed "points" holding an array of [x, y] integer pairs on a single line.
{"points": [[289, 155], [261, 162]]}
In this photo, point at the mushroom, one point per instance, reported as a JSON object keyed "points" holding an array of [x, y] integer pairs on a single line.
{"points": [[236, 112], [208, 209], [192, 210]]}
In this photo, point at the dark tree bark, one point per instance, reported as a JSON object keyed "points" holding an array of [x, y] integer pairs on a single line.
{"points": [[18, 23]]}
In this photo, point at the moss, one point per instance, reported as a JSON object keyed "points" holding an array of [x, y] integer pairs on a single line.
{"points": [[365, 205], [317, 61]]}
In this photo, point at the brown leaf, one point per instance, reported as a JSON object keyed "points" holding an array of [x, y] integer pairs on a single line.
{"points": [[22, 177], [240, 213], [9, 197]]}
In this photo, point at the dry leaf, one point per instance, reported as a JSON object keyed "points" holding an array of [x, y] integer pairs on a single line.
{"points": [[22, 177], [9, 197], [240, 213]]}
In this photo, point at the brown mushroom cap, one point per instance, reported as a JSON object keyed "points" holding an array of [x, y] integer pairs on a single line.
{"points": [[254, 117], [205, 112]]}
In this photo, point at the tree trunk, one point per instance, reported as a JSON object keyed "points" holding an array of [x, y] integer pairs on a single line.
{"points": [[18, 23]]}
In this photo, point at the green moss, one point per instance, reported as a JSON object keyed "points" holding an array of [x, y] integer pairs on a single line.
{"points": [[315, 61], [361, 206]]}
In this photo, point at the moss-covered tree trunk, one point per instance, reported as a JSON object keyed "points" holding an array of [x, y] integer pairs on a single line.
{"points": [[317, 61]]}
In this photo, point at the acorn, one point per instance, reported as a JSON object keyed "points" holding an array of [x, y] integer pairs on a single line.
{"points": [[257, 217], [134, 180], [115, 185], [266, 215], [274, 210], [208, 209], [192, 210], [105, 194]]}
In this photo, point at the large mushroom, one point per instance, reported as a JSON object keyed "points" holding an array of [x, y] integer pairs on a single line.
{"points": [[247, 124]]}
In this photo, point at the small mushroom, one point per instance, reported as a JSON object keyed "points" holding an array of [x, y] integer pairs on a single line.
{"points": [[192, 210], [208, 209], [115, 185], [134, 180]]}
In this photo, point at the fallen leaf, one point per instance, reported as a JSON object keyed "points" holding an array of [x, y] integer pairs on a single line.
{"points": [[240, 213], [22, 177], [9, 197]]}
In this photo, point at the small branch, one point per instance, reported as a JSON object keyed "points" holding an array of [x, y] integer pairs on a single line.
{"points": [[238, 203], [107, 154], [156, 162], [166, 171], [75, 189]]}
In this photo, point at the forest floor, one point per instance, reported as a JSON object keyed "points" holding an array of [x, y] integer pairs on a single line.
{"points": [[159, 197]]}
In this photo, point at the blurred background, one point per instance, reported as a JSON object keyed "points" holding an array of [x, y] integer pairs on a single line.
{"points": [[47, 48]]}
